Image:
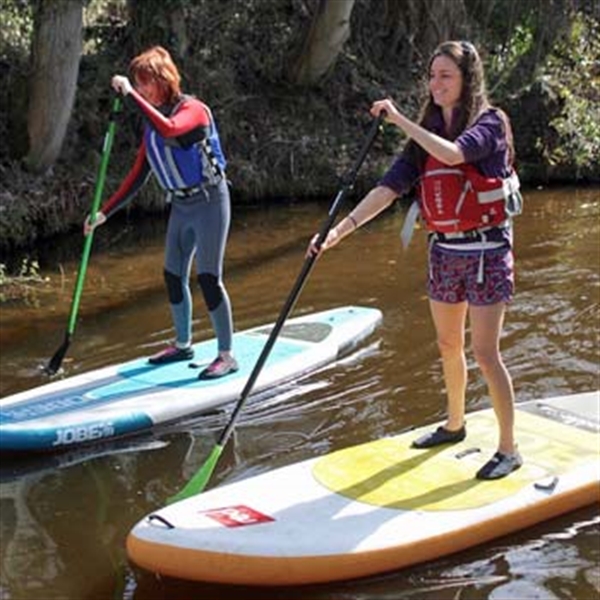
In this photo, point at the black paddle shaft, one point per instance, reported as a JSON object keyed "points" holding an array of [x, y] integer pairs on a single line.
{"points": [[347, 184]]}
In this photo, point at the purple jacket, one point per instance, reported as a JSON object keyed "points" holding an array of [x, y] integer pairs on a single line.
{"points": [[484, 145]]}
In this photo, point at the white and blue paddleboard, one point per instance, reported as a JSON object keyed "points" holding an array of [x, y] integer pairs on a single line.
{"points": [[135, 396]]}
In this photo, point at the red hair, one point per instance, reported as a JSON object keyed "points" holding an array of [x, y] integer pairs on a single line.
{"points": [[156, 65]]}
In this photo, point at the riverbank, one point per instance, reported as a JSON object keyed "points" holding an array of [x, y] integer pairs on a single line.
{"points": [[293, 164], [291, 143]]}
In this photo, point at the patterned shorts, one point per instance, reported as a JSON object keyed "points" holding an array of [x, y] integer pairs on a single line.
{"points": [[453, 276]]}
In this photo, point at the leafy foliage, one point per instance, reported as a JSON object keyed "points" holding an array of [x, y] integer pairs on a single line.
{"points": [[16, 17], [24, 284], [17, 26], [541, 60], [574, 70], [507, 55]]}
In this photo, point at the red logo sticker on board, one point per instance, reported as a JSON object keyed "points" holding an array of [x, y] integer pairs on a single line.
{"points": [[237, 516]]}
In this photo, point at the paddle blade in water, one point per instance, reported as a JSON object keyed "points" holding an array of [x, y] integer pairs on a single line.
{"points": [[198, 482], [54, 364]]}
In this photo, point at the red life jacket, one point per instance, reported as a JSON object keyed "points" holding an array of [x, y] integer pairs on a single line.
{"points": [[459, 198]]}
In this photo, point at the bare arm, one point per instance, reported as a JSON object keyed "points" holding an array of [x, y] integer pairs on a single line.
{"points": [[376, 201], [442, 149]]}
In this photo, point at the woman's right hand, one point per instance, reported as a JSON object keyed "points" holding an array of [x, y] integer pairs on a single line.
{"points": [[387, 107], [88, 226], [121, 85]]}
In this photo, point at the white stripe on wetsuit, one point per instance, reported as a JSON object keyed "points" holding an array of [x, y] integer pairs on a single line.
{"points": [[158, 164]]}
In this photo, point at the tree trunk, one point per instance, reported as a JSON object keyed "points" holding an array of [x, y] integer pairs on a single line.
{"points": [[412, 29], [328, 33], [441, 20], [56, 53], [160, 23]]}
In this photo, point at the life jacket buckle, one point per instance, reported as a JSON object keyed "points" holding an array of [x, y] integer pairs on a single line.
{"points": [[187, 192]]}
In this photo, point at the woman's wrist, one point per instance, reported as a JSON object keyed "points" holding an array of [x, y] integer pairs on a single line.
{"points": [[348, 225], [343, 229]]}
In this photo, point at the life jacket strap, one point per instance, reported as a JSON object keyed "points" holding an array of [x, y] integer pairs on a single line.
{"points": [[510, 185], [475, 235], [187, 192], [214, 172], [190, 192], [410, 221]]}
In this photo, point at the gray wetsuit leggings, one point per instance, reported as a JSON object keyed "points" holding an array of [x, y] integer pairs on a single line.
{"points": [[199, 226]]}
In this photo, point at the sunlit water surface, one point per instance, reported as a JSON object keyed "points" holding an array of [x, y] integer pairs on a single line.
{"points": [[64, 519]]}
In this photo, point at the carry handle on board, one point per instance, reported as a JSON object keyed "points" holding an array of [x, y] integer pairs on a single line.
{"points": [[198, 481], [56, 361]]}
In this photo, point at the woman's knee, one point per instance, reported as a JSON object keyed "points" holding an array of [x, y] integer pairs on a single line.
{"points": [[487, 356], [450, 346], [174, 287], [212, 290]]}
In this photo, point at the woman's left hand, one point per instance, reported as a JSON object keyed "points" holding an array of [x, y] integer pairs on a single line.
{"points": [[333, 238], [89, 226]]}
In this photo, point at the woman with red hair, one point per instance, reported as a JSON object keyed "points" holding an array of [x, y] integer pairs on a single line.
{"points": [[181, 148]]}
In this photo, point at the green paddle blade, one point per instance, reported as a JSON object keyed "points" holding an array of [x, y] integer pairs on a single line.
{"points": [[198, 482]]}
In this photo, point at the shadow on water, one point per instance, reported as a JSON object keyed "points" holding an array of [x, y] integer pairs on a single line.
{"points": [[64, 518]]}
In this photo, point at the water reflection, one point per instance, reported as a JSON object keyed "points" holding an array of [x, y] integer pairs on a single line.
{"points": [[64, 518]]}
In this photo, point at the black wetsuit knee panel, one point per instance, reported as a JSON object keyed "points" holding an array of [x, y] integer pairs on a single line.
{"points": [[211, 290], [174, 290]]}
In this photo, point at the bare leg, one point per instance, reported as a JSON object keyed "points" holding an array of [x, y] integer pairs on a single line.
{"points": [[449, 321], [486, 326]]}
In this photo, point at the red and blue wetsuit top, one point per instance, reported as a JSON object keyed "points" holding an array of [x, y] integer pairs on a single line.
{"points": [[180, 146]]}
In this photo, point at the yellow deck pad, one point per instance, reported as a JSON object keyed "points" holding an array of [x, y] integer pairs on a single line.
{"points": [[389, 473]]}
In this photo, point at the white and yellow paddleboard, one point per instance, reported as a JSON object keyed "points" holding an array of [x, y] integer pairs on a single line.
{"points": [[378, 506]]}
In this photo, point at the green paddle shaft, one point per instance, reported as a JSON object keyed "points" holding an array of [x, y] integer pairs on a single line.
{"points": [[57, 359], [108, 142], [201, 478]]}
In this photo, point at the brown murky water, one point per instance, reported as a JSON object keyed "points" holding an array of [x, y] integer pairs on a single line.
{"points": [[64, 519]]}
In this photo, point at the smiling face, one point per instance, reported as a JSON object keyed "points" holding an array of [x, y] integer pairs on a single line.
{"points": [[445, 82]]}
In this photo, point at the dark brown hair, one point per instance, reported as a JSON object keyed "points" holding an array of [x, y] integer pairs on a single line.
{"points": [[473, 99], [156, 64]]}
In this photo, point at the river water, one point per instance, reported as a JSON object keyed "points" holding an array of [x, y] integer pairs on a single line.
{"points": [[64, 518]]}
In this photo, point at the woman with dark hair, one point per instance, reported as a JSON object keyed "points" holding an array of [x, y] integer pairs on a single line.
{"points": [[459, 154], [181, 147]]}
